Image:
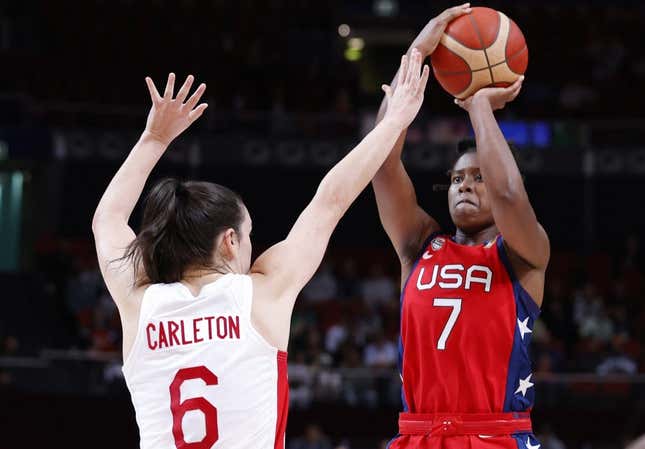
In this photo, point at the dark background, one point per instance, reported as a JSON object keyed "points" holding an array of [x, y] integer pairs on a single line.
{"points": [[285, 103]]}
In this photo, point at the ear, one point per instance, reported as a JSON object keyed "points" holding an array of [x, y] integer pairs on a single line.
{"points": [[229, 244]]}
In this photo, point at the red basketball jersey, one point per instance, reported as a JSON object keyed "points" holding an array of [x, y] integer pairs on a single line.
{"points": [[466, 324]]}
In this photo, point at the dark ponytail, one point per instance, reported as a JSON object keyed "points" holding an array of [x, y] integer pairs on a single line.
{"points": [[181, 222]]}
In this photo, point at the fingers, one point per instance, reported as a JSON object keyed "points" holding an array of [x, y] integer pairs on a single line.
{"points": [[414, 68], [403, 70], [454, 12], [460, 103], [424, 79], [514, 89], [170, 86], [183, 92], [517, 84], [154, 93], [197, 95], [197, 112], [388, 91]]}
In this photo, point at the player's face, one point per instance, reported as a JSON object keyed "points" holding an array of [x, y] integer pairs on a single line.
{"points": [[467, 195], [246, 248]]}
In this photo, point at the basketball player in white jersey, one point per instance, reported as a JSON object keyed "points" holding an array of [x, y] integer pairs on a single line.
{"points": [[204, 330]]}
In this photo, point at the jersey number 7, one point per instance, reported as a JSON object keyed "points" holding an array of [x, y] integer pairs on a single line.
{"points": [[455, 303]]}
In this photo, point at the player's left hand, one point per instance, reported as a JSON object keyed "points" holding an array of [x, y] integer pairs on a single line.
{"points": [[496, 97], [170, 116]]}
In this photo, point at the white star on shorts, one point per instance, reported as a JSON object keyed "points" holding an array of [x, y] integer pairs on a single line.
{"points": [[524, 328], [525, 384]]}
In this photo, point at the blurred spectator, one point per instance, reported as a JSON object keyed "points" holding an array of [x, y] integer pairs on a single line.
{"points": [[314, 438], [557, 313], [631, 256], [84, 288], [591, 315], [617, 361], [336, 335], [322, 286], [597, 325], [549, 440], [588, 355], [300, 381], [348, 280], [365, 326], [381, 353], [377, 288]]}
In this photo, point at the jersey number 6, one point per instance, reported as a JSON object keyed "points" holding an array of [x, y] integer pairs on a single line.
{"points": [[179, 409], [455, 303]]}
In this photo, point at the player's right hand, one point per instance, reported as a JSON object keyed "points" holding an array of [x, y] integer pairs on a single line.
{"points": [[169, 117], [406, 99], [495, 97], [429, 37]]}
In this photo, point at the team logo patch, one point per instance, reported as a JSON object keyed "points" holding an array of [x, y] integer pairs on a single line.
{"points": [[437, 243]]}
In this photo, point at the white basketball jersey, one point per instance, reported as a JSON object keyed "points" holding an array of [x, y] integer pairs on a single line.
{"points": [[201, 376]]}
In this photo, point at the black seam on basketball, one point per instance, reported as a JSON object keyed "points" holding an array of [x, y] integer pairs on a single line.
{"points": [[481, 41], [510, 58], [463, 72], [440, 72], [505, 61], [455, 38]]}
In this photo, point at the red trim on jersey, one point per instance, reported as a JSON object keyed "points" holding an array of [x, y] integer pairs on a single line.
{"points": [[450, 424], [283, 401]]}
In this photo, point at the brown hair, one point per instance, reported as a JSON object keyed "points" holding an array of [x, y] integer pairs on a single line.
{"points": [[181, 222]]}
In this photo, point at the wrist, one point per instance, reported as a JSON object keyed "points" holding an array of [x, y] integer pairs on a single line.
{"points": [[151, 138], [480, 104], [393, 123], [420, 45]]}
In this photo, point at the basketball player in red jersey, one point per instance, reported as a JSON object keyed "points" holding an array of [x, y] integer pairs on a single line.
{"points": [[469, 300], [204, 330]]}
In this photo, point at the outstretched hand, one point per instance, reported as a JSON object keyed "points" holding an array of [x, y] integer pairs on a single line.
{"points": [[496, 97], [406, 99], [169, 117], [430, 36]]}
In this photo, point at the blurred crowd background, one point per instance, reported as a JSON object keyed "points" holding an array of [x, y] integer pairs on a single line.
{"points": [[293, 85]]}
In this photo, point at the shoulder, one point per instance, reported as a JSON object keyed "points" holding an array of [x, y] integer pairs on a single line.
{"points": [[529, 277]]}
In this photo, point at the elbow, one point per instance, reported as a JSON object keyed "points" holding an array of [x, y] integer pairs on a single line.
{"points": [[97, 219], [101, 220]]}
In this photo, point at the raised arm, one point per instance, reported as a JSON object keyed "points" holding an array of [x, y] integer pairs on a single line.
{"points": [[512, 210], [167, 119], [285, 268], [405, 222]]}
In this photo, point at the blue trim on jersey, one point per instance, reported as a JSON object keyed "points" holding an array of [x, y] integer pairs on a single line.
{"points": [[401, 298], [519, 366], [528, 302]]}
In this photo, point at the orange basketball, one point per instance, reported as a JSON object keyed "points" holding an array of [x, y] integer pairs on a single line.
{"points": [[480, 49]]}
